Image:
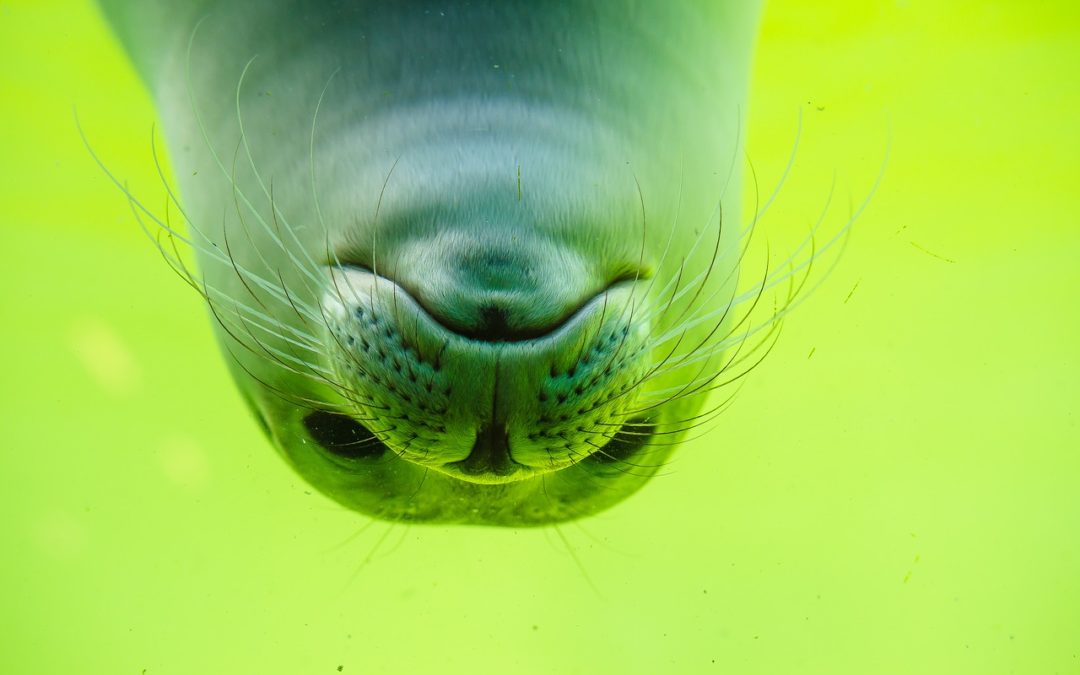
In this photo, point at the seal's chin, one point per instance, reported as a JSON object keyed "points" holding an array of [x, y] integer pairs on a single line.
{"points": [[490, 405]]}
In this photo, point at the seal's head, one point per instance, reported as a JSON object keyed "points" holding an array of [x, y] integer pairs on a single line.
{"points": [[470, 263]]}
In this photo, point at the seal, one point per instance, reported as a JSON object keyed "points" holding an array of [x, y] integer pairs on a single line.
{"points": [[469, 262]]}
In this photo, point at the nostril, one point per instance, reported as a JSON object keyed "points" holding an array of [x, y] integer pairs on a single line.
{"points": [[490, 453], [342, 436]]}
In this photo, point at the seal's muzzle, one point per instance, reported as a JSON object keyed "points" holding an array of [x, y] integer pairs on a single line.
{"points": [[483, 411]]}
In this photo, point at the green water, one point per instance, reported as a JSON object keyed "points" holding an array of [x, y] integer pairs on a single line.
{"points": [[896, 489]]}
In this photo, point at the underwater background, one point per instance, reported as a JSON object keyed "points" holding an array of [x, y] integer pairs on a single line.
{"points": [[896, 489]]}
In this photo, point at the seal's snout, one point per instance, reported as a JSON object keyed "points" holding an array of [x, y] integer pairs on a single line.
{"points": [[484, 410]]}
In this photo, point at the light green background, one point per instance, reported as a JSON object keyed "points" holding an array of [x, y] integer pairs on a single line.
{"points": [[896, 489]]}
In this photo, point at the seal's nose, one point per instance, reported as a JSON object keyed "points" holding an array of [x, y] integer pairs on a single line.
{"points": [[490, 454]]}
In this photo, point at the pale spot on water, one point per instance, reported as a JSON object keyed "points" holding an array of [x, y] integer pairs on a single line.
{"points": [[60, 535], [105, 356], [183, 462]]}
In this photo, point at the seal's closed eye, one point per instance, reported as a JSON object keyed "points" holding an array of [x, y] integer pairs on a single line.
{"points": [[343, 436]]}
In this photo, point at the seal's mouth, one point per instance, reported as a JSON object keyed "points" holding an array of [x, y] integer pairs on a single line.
{"points": [[513, 286], [495, 404], [498, 322]]}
